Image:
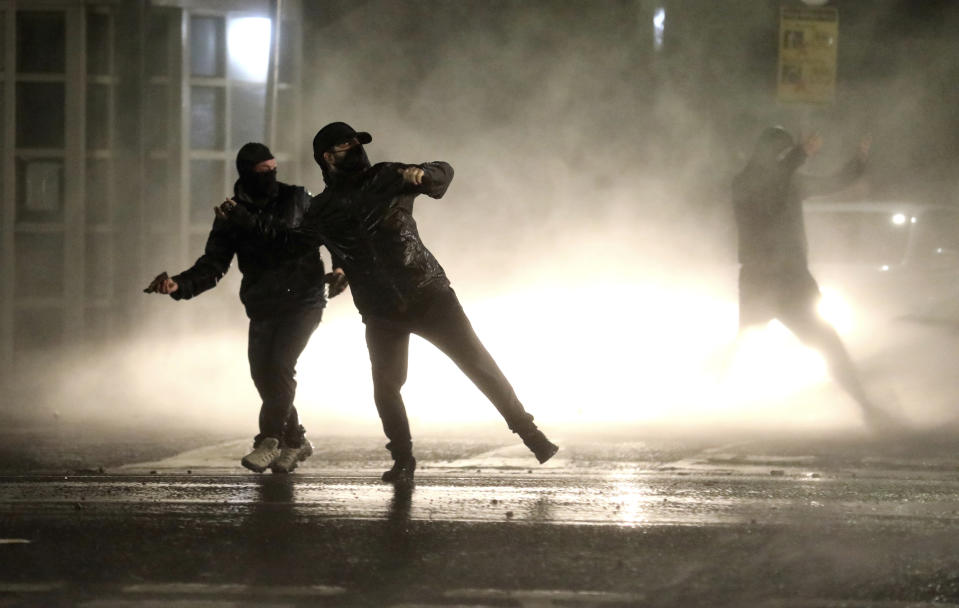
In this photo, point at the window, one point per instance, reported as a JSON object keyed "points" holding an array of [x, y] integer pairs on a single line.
{"points": [[206, 46], [206, 118], [41, 42], [98, 43], [39, 190], [40, 114], [206, 189], [247, 114], [158, 43]]}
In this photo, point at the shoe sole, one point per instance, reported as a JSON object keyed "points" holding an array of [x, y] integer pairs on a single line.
{"points": [[252, 467]]}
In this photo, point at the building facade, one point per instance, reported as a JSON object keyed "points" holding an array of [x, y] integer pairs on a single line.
{"points": [[121, 120]]}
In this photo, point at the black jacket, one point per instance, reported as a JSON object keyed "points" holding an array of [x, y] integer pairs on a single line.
{"points": [[767, 200], [366, 221], [275, 280]]}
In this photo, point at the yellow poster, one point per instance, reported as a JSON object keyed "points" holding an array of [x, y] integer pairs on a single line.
{"points": [[807, 54]]}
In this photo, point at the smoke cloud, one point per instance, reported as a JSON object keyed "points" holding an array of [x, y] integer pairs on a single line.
{"points": [[588, 229]]}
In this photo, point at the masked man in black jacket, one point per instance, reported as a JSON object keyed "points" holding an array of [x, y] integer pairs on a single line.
{"points": [[283, 296], [774, 277], [365, 218]]}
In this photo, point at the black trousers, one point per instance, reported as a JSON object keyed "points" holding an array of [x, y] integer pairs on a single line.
{"points": [[275, 344], [792, 297], [441, 321]]}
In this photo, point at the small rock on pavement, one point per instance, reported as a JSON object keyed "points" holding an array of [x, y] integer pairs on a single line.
{"points": [[777, 472]]}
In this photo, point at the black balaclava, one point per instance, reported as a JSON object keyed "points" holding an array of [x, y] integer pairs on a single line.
{"points": [[259, 186], [772, 146]]}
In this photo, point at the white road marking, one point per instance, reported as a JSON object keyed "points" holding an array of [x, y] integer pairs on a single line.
{"points": [[30, 587], [545, 598], [235, 589]]}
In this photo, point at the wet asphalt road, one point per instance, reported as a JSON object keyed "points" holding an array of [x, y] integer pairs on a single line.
{"points": [[775, 524]]}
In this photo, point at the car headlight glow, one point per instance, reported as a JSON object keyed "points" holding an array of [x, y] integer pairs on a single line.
{"points": [[836, 310]]}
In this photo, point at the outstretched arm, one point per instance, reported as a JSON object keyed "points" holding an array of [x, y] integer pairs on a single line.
{"points": [[205, 273], [431, 179], [810, 185], [295, 241]]}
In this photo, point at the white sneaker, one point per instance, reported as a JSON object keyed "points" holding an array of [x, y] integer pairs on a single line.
{"points": [[290, 457], [262, 455]]}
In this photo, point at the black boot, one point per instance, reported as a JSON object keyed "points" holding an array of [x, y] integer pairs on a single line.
{"points": [[402, 471], [541, 447]]}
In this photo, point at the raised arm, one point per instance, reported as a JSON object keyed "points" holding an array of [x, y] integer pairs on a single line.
{"points": [[395, 179], [810, 185], [435, 178]]}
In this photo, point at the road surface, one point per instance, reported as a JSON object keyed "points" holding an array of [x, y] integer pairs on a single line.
{"points": [[768, 523]]}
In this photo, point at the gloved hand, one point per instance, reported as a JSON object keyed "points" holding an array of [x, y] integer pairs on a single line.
{"points": [[337, 283], [235, 214]]}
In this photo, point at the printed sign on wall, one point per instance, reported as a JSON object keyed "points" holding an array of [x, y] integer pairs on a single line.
{"points": [[808, 38]]}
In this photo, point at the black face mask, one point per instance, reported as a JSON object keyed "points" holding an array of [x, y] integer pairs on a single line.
{"points": [[354, 160], [262, 184]]}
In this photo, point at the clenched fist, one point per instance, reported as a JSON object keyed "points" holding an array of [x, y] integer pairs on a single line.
{"points": [[162, 284], [413, 175]]}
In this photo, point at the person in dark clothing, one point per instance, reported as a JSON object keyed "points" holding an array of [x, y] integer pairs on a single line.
{"points": [[365, 218], [774, 277], [283, 295]]}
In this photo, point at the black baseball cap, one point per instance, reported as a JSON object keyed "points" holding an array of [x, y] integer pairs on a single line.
{"points": [[336, 133]]}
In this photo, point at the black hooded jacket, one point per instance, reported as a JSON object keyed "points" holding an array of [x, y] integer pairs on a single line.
{"points": [[366, 221], [767, 201], [275, 280]]}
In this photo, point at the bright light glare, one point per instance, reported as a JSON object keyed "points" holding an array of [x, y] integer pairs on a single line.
{"points": [[659, 27], [248, 44], [631, 353], [770, 363], [899, 219], [836, 311], [614, 355]]}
